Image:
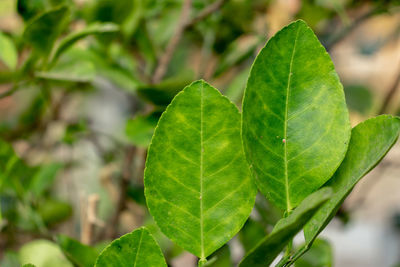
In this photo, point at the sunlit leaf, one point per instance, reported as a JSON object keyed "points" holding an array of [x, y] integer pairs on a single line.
{"points": [[134, 249], [295, 121], [197, 182], [8, 51]]}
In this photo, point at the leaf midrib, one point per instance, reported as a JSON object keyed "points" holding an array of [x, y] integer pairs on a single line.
{"points": [[137, 251], [201, 172], [288, 205]]}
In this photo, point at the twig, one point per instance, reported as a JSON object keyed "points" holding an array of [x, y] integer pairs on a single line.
{"points": [[89, 219], [330, 43], [126, 176], [390, 94], [173, 43], [9, 92], [184, 23]]}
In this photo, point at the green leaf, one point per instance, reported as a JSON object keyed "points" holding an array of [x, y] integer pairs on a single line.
{"points": [[134, 249], [320, 255], [53, 211], [76, 252], [42, 31], [43, 179], [28, 265], [139, 130], [370, 141], [284, 231], [95, 28], [295, 121], [197, 182], [359, 98], [8, 51]]}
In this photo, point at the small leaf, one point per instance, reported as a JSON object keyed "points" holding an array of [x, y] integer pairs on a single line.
{"points": [[8, 51], [95, 28], [134, 249], [295, 121], [284, 231], [76, 252], [42, 31], [43, 179], [197, 182], [139, 130], [370, 141]]}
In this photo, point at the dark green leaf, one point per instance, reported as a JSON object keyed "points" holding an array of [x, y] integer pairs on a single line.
{"points": [[42, 31], [54, 211], [359, 98], [251, 233], [284, 231], [370, 141], [135, 249], [78, 253], [197, 182], [295, 121], [43, 179]]}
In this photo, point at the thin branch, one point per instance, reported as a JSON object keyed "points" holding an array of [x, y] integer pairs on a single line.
{"points": [[90, 220], [184, 23], [9, 92], [335, 39], [390, 94], [111, 231]]}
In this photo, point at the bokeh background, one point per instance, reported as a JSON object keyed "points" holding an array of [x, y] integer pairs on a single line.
{"points": [[83, 83]]}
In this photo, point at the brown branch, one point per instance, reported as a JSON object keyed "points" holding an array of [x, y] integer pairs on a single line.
{"points": [[89, 219], [112, 229], [390, 94], [184, 23]]}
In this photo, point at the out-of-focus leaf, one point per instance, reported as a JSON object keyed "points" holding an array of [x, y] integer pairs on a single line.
{"points": [[30, 8], [28, 265], [79, 254], [284, 231], [131, 22], [10, 259], [359, 98], [319, 255], [43, 179], [73, 130], [8, 52], [54, 211], [139, 130], [220, 258], [239, 50], [236, 88], [95, 28], [137, 194], [251, 233], [42, 31], [207, 189], [296, 124], [134, 249], [161, 94], [70, 71], [43, 253]]}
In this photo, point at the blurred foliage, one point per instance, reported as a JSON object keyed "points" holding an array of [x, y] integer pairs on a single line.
{"points": [[59, 53]]}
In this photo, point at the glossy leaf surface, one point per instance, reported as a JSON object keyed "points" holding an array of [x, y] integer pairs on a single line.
{"points": [[197, 182], [370, 141], [137, 249], [295, 121], [284, 231]]}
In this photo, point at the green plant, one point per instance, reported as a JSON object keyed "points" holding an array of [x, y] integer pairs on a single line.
{"points": [[297, 147]]}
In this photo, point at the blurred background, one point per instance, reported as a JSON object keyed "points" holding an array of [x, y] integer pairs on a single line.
{"points": [[83, 83]]}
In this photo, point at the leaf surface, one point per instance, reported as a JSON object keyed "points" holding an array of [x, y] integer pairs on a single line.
{"points": [[269, 248], [370, 141], [8, 51], [295, 121], [138, 249], [197, 182]]}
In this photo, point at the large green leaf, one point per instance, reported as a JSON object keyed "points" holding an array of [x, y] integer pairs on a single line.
{"points": [[95, 28], [42, 31], [78, 253], [8, 51], [135, 249], [295, 121], [370, 141], [268, 249], [197, 182]]}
